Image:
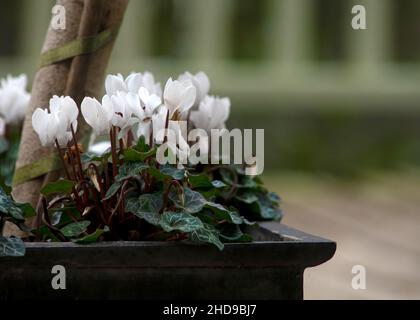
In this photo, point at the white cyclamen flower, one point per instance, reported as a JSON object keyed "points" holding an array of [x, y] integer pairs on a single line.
{"points": [[159, 123], [212, 113], [123, 105], [135, 81], [116, 83], [68, 107], [149, 104], [14, 98], [201, 83], [179, 146], [176, 142], [179, 97], [51, 127], [97, 115]]}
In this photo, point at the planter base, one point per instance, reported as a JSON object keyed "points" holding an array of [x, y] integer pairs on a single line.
{"points": [[271, 267]]}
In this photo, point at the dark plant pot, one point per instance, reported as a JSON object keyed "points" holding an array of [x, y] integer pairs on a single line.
{"points": [[271, 267]]}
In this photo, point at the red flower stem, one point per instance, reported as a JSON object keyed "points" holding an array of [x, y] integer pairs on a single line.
{"points": [[98, 207], [105, 164], [121, 150], [168, 190], [79, 161], [120, 198], [60, 152], [130, 138], [151, 137], [113, 151], [165, 138], [47, 221], [70, 158]]}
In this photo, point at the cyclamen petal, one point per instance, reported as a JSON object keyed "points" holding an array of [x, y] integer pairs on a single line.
{"points": [[115, 83], [39, 123], [122, 110], [150, 84], [67, 106], [188, 98], [179, 96], [51, 127], [97, 116], [201, 83], [150, 101], [212, 113], [144, 129], [14, 99], [134, 81], [159, 122]]}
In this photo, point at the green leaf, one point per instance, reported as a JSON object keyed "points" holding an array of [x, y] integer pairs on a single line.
{"points": [[113, 189], [200, 181], [11, 247], [146, 207], [61, 216], [244, 181], [207, 234], [56, 217], [4, 144], [233, 233], [135, 156], [265, 208], [27, 210], [129, 170], [274, 198], [89, 157], [193, 201], [180, 221], [141, 145], [227, 176], [45, 234], [224, 214], [203, 181], [61, 186], [218, 184], [93, 237], [75, 229], [247, 197], [9, 208], [167, 172]]}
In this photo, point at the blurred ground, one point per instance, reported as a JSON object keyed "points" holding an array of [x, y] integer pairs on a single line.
{"points": [[375, 222]]}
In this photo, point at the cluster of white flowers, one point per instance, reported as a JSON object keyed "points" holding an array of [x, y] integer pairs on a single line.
{"points": [[56, 126], [14, 100], [137, 104]]}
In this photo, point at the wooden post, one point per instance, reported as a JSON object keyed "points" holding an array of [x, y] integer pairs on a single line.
{"points": [[77, 77]]}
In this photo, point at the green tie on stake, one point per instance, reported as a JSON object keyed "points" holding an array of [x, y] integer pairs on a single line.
{"points": [[70, 50], [78, 47], [36, 169]]}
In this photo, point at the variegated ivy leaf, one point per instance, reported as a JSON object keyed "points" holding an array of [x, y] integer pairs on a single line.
{"points": [[180, 221], [11, 247]]}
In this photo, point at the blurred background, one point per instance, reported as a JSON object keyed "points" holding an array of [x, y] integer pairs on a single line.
{"points": [[340, 109]]}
